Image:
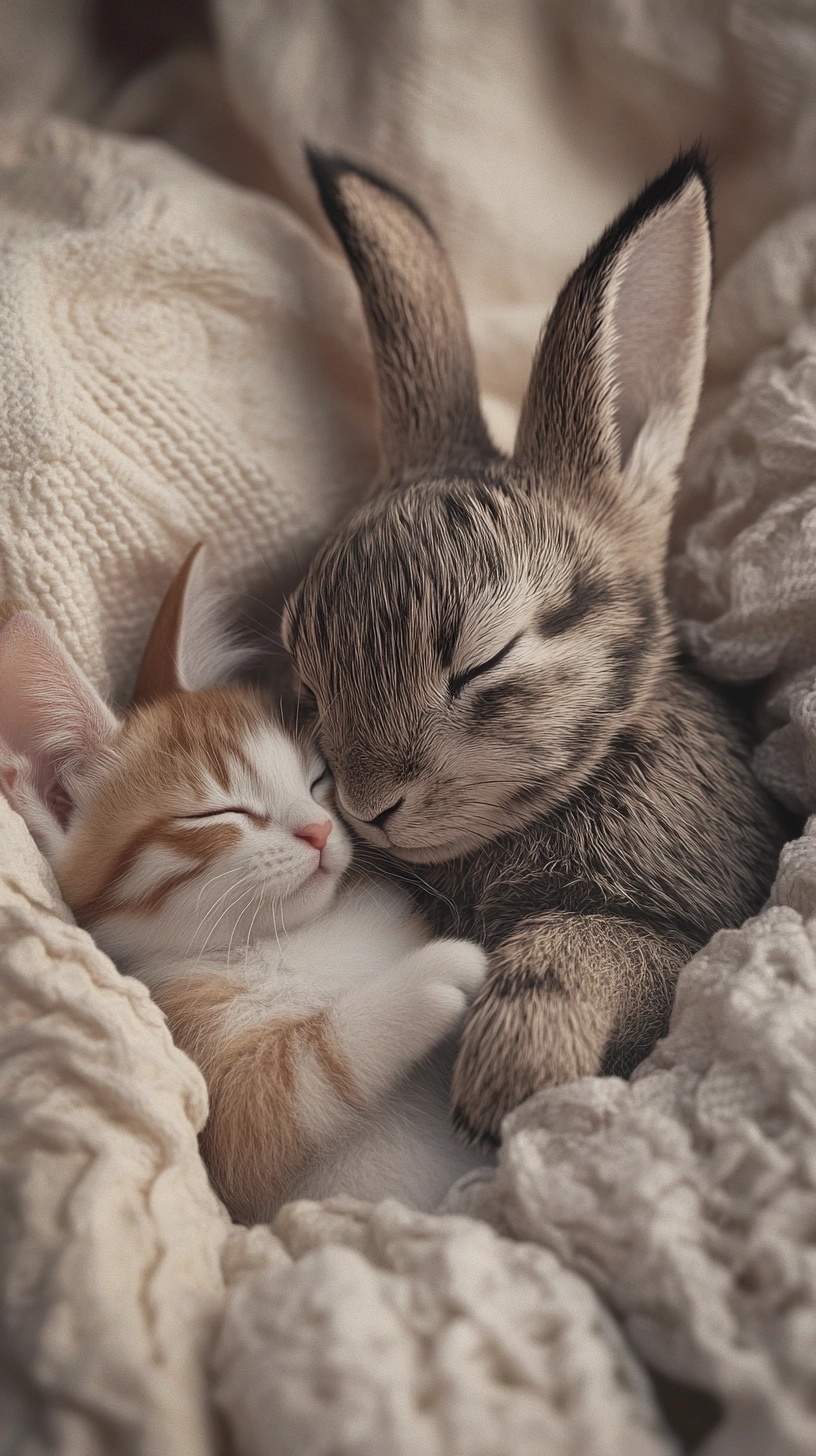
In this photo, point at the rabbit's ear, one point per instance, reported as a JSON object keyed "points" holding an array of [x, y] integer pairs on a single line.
{"points": [[617, 376], [189, 647], [426, 375], [50, 715]]}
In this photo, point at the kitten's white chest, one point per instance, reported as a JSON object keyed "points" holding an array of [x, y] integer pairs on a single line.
{"points": [[370, 928]]}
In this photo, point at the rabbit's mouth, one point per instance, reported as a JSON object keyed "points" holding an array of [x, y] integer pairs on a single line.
{"points": [[405, 829], [432, 851]]}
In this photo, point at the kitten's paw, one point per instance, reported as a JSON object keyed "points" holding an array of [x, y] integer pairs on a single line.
{"points": [[459, 963], [441, 979]]}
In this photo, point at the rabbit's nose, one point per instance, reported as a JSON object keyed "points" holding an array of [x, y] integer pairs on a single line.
{"points": [[379, 819], [315, 834]]}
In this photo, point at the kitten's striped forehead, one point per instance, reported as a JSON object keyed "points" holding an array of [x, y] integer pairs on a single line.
{"points": [[187, 738]]}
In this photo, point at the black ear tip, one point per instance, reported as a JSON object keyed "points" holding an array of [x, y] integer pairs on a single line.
{"points": [[328, 170], [687, 165], [692, 162], [693, 159], [326, 167]]}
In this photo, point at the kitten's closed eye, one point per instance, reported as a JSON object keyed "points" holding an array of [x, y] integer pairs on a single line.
{"points": [[218, 813], [321, 783], [315, 764], [307, 697]]}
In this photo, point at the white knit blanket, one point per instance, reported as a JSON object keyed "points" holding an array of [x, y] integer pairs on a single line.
{"points": [[183, 356]]}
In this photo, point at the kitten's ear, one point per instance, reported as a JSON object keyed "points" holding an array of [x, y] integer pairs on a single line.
{"points": [[617, 375], [51, 717], [189, 647], [426, 374]]}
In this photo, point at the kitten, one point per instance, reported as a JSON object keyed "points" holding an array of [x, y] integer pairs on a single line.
{"points": [[194, 839]]}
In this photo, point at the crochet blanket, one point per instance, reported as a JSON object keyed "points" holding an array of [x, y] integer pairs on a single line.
{"points": [[182, 356]]}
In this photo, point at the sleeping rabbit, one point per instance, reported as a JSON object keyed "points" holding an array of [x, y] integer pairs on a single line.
{"points": [[488, 643]]}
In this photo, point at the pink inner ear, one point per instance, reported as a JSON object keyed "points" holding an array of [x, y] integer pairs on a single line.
{"points": [[49, 711], [59, 803]]}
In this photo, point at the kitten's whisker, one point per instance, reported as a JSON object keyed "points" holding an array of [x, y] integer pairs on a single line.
{"points": [[407, 877], [275, 928], [252, 923], [211, 881], [229, 906], [283, 925], [243, 872], [250, 902]]}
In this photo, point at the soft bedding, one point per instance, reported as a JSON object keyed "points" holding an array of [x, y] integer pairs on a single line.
{"points": [[184, 356]]}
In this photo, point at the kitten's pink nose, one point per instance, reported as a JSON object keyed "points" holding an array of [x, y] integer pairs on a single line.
{"points": [[315, 834]]}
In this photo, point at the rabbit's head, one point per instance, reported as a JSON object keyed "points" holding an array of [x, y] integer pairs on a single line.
{"points": [[478, 635]]}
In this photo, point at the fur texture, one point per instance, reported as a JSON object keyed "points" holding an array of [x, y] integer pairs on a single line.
{"points": [[196, 840], [491, 654]]}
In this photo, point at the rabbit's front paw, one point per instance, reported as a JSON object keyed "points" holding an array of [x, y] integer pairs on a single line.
{"points": [[514, 1045]]}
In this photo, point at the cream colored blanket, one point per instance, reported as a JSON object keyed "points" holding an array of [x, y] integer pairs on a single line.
{"points": [[183, 356]]}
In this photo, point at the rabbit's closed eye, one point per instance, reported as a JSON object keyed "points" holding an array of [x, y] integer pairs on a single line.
{"points": [[458, 681]]}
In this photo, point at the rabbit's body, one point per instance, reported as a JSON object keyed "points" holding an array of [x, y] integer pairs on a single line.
{"points": [[639, 839], [492, 656], [645, 850]]}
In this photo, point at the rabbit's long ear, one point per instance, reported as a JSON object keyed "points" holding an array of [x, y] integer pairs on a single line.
{"points": [[426, 375], [50, 714], [617, 376], [189, 647]]}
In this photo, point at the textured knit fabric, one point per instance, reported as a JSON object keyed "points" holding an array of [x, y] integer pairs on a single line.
{"points": [[183, 357]]}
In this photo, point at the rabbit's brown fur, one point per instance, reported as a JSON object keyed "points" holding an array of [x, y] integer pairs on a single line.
{"points": [[492, 656]]}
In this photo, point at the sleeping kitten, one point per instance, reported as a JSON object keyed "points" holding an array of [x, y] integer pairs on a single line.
{"points": [[195, 840]]}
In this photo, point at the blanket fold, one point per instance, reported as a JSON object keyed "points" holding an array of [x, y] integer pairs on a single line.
{"points": [[184, 356]]}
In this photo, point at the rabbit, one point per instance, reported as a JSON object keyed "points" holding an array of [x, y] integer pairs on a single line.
{"points": [[491, 656]]}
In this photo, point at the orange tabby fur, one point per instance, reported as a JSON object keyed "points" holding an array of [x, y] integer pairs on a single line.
{"points": [[253, 1133]]}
